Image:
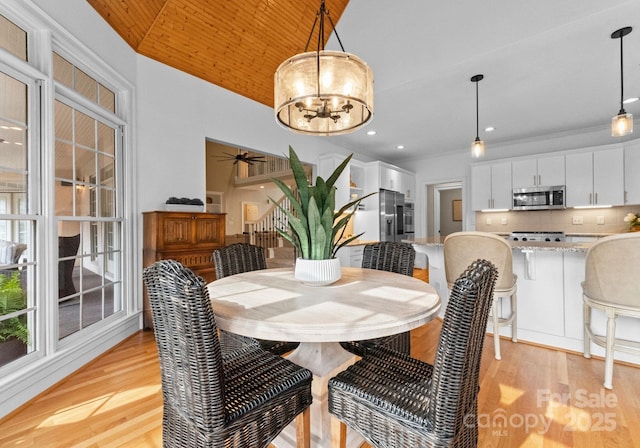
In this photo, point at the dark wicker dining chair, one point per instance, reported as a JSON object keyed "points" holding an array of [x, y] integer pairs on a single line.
{"points": [[235, 259], [240, 399], [393, 257], [394, 400]]}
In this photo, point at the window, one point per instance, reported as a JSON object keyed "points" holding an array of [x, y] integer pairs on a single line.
{"points": [[17, 302], [81, 172], [13, 38], [89, 228]]}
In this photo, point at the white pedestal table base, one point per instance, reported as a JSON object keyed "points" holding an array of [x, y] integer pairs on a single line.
{"points": [[325, 360]]}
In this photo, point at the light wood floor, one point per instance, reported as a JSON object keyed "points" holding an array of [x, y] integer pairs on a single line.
{"points": [[534, 397]]}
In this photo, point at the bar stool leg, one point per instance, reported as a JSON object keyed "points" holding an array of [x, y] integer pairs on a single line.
{"points": [[586, 313], [608, 360], [514, 320], [496, 327]]}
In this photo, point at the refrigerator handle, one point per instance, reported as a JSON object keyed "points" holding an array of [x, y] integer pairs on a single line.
{"points": [[389, 227]]}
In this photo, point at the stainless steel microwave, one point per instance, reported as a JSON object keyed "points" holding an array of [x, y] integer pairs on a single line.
{"points": [[538, 198]]}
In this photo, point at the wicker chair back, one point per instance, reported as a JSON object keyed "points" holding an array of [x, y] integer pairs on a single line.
{"points": [[456, 369], [238, 258], [392, 257], [211, 398], [188, 345], [395, 400], [389, 256]]}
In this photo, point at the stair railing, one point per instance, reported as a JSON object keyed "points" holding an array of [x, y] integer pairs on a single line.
{"points": [[262, 231]]}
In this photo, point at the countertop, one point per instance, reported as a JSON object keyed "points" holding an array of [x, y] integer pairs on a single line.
{"points": [[520, 245]]}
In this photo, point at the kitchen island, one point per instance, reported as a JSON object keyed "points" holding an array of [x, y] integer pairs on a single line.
{"points": [[549, 294]]}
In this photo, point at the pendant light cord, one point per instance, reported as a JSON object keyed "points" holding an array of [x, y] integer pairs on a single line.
{"points": [[622, 111], [477, 114]]}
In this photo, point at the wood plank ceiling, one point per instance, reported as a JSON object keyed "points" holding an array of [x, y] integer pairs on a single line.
{"points": [[235, 44]]}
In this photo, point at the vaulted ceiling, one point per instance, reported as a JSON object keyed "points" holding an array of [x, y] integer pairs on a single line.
{"points": [[235, 44], [550, 67]]}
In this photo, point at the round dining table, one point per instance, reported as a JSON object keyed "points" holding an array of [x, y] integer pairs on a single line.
{"points": [[364, 304]]}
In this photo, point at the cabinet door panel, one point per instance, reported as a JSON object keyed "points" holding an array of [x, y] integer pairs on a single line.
{"points": [[481, 187], [524, 173], [540, 291], [208, 231], [177, 231], [608, 177], [501, 190], [579, 171], [551, 171], [632, 174]]}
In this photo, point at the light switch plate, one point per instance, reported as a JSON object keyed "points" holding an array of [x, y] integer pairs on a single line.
{"points": [[600, 220]]}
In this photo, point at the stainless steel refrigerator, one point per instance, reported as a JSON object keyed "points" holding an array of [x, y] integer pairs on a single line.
{"points": [[391, 215]]}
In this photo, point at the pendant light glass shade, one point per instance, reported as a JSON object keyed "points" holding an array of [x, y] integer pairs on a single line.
{"points": [[323, 92], [621, 124], [477, 147]]}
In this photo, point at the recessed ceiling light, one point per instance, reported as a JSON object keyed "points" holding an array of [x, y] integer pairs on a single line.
{"points": [[400, 147], [630, 100], [489, 129], [261, 186], [371, 132]]}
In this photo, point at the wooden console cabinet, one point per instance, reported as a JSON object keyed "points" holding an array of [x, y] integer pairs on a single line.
{"points": [[187, 237]]}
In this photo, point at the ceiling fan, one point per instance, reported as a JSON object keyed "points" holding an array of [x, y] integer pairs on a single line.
{"points": [[242, 157]]}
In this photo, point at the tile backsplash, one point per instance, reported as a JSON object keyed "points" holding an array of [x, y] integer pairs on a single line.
{"points": [[593, 220]]}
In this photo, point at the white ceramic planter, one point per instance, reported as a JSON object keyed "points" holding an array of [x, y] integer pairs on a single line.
{"points": [[318, 272]]}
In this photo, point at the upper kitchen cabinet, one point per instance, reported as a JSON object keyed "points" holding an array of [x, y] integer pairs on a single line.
{"points": [[595, 178], [491, 186], [391, 177], [541, 172], [408, 186], [631, 176]]}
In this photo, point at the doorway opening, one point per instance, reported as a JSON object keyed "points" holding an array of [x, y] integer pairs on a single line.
{"points": [[445, 211]]}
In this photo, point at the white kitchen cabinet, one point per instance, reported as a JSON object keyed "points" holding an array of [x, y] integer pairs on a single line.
{"points": [[491, 186], [356, 180], [543, 171], [390, 178], [408, 186], [595, 178], [379, 175], [540, 291], [350, 184], [351, 256], [632, 174]]}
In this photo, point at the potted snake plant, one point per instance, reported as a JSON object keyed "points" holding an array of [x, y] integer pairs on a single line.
{"points": [[314, 226]]}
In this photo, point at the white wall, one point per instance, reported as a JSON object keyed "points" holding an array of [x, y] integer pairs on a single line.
{"points": [[177, 112]]}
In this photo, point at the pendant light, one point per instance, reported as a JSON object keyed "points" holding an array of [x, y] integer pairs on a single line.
{"points": [[477, 147], [323, 92], [621, 124]]}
